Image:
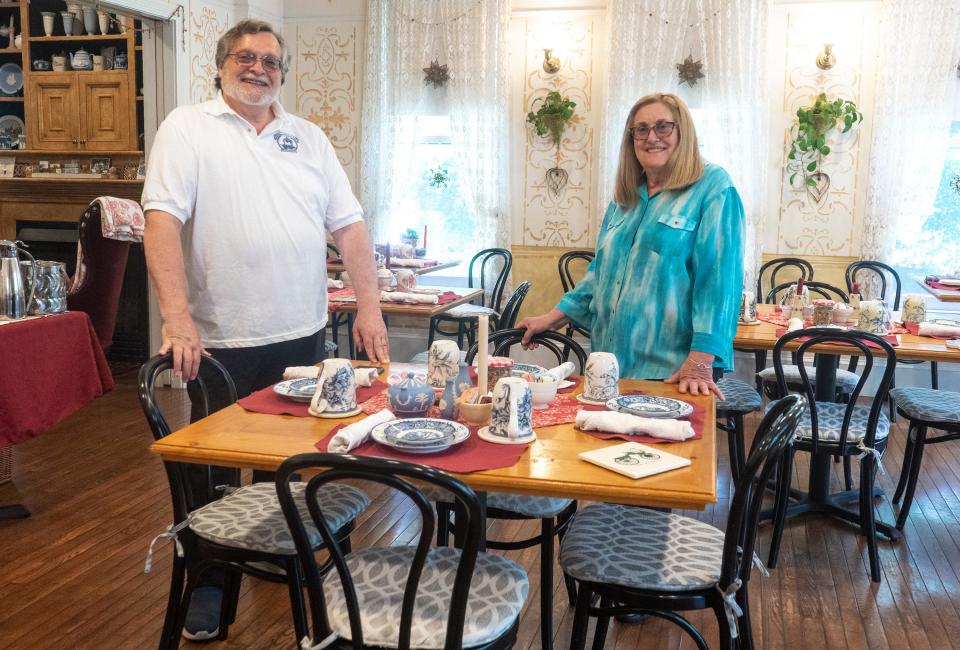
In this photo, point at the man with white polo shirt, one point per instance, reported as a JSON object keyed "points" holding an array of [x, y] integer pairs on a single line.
{"points": [[239, 197]]}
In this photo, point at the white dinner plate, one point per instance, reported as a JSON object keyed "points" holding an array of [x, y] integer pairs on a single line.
{"points": [[949, 283], [299, 390], [420, 435], [650, 406]]}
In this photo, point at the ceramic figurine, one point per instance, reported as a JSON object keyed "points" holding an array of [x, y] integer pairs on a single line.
{"points": [[411, 397]]}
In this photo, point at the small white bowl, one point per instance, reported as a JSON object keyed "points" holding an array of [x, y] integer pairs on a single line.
{"points": [[543, 392]]}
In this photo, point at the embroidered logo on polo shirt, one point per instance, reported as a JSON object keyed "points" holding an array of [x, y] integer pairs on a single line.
{"points": [[286, 142]]}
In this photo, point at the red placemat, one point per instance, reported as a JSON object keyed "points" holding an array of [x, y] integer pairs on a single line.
{"points": [[778, 319], [267, 401], [892, 339], [472, 455], [940, 286], [695, 419]]}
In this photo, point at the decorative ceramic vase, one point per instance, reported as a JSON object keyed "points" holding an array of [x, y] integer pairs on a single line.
{"points": [[48, 17], [914, 308], [448, 401], [411, 397], [89, 19], [104, 19], [67, 22]]}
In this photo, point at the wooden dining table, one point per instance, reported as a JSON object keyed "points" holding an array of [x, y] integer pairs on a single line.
{"points": [[234, 437], [336, 266], [464, 294], [763, 336]]}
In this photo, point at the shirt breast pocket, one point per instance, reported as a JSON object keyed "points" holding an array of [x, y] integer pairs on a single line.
{"points": [[674, 233]]}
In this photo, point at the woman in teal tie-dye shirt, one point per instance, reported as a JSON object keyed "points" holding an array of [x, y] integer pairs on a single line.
{"points": [[663, 292]]}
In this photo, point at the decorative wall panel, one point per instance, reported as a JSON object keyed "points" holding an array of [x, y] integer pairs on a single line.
{"points": [[206, 24]]}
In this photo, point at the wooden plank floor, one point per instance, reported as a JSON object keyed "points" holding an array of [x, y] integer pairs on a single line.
{"points": [[72, 575]]}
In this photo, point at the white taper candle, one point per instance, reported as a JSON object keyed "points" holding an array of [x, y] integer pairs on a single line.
{"points": [[483, 325]]}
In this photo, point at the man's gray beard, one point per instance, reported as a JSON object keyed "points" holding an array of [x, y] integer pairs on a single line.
{"points": [[252, 96]]}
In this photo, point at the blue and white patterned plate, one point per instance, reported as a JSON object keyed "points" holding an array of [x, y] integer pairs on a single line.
{"points": [[525, 368], [299, 390], [946, 321], [650, 406], [420, 435]]}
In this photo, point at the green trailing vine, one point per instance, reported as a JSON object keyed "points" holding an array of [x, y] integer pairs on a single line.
{"points": [[809, 135], [552, 116]]}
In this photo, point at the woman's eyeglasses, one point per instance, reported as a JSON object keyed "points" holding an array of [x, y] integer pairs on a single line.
{"points": [[269, 62], [641, 132]]}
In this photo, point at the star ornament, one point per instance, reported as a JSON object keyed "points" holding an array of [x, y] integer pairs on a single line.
{"points": [[436, 74], [690, 71], [955, 184]]}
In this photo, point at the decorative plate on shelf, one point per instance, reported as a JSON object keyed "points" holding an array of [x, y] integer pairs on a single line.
{"points": [[299, 390], [420, 435], [11, 125], [650, 406], [11, 78]]}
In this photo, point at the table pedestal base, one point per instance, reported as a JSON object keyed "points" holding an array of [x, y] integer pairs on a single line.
{"points": [[13, 512]]}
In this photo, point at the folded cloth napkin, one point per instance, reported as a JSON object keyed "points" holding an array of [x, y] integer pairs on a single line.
{"points": [[935, 329], [403, 296], [353, 435], [413, 263], [794, 324], [562, 371], [364, 376], [334, 284], [120, 219], [613, 422]]}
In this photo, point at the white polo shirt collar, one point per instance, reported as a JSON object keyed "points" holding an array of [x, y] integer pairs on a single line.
{"points": [[219, 106]]}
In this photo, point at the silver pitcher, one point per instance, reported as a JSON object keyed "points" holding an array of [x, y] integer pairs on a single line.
{"points": [[50, 288], [14, 297]]}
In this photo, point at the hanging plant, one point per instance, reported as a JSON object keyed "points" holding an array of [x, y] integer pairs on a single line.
{"points": [[808, 143], [551, 119]]}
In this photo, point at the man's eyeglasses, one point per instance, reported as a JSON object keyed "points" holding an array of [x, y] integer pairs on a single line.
{"points": [[662, 128], [269, 62]]}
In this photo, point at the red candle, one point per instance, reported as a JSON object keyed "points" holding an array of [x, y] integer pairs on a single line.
{"points": [[424, 245]]}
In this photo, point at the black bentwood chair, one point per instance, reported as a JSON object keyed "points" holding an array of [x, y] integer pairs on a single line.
{"points": [[245, 526], [841, 431], [567, 280], [401, 596], [659, 563], [739, 399], [483, 267]]}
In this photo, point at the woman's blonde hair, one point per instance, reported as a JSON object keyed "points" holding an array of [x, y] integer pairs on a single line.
{"points": [[686, 164]]}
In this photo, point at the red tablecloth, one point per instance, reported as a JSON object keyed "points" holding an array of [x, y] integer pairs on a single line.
{"points": [[51, 367]]}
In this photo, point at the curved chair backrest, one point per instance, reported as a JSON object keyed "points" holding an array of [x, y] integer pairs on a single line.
{"points": [[560, 344], [564, 266], [393, 474], [869, 346], [483, 267], [508, 317], [774, 435], [798, 268], [875, 271], [101, 280], [180, 488], [822, 289]]}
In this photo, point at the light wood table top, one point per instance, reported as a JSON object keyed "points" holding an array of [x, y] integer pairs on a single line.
{"points": [[921, 348], [425, 311], [234, 437], [338, 267], [945, 296]]}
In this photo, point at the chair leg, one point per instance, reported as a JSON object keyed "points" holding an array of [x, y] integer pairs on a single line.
{"points": [[568, 582], [297, 604], [170, 635], [431, 330], [726, 641], [921, 434], [934, 376], [546, 583], [231, 597], [735, 445], [908, 450], [581, 618], [603, 624], [443, 524], [745, 626], [780, 506], [847, 473], [868, 468]]}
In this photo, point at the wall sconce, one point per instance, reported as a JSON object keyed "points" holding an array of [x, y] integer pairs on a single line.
{"points": [[826, 59], [551, 64]]}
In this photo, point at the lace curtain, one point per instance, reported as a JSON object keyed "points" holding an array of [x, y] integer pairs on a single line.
{"points": [[647, 39], [911, 119], [469, 36]]}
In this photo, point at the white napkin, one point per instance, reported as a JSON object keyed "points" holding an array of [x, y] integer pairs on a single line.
{"points": [[334, 284], [416, 263], [562, 371], [934, 329], [403, 296], [363, 376], [794, 324], [614, 422], [353, 435]]}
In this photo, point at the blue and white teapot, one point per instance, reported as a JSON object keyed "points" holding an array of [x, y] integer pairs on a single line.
{"points": [[411, 397]]}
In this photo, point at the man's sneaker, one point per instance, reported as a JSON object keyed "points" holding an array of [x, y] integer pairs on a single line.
{"points": [[203, 615]]}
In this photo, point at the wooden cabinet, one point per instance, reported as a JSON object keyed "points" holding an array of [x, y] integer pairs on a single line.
{"points": [[85, 111]]}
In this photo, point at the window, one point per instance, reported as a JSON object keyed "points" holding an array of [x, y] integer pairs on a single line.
{"points": [[430, 196], [934, 247]]}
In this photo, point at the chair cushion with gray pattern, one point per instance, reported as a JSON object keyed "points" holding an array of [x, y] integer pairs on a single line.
{"points": [[641, 549], [524, 504], [846, 380], [251, 518], [738, 396], [498, 591], [928, 404], [830, 422]]}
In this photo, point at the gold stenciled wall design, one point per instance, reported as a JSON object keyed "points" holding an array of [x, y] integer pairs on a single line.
{"points": [[207, 23], [328, 86], [832, 225]]}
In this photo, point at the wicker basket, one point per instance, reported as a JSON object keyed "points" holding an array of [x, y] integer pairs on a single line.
{"points": [[6, 464]]}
